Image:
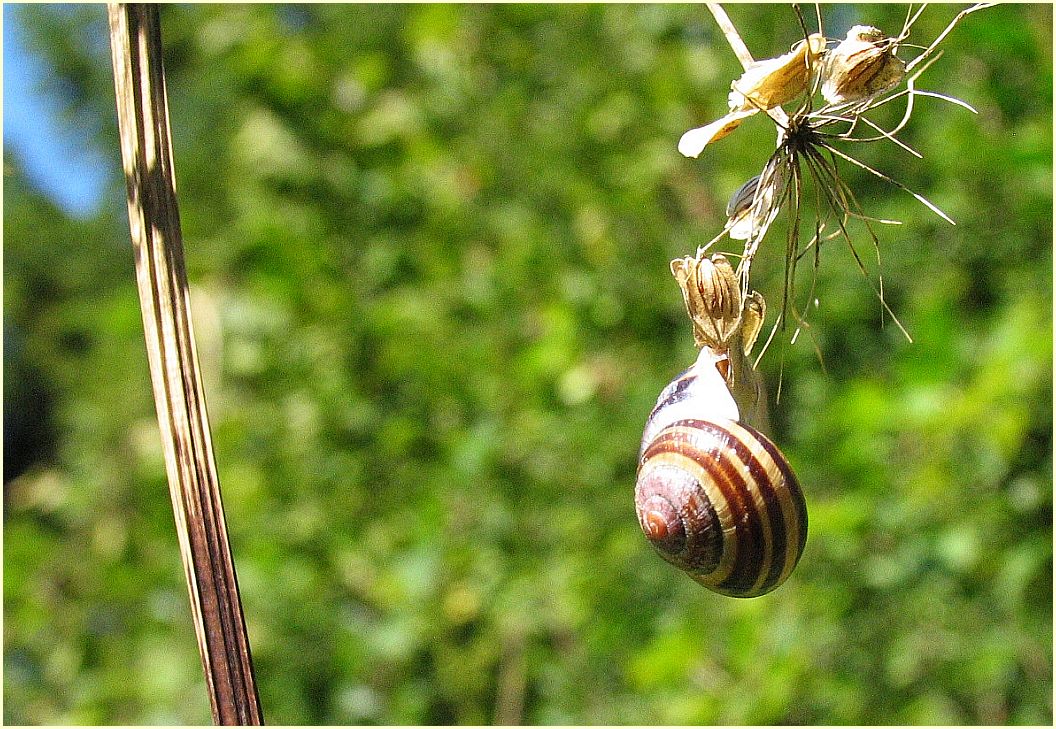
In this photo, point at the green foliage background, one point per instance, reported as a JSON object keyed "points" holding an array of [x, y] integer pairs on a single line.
{"points": [[429, 254]]}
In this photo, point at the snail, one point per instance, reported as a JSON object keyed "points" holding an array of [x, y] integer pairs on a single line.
{"points": [[751, 210], [714, 495]]}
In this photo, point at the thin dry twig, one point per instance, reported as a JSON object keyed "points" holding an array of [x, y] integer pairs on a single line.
{"points": [[732, 36], [161, 277], [938, 39], [741, 51]]}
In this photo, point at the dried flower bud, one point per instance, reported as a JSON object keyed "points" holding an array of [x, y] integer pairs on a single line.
{"points": [[861, 66], [752, 320], [775, 81], [712, 297]]}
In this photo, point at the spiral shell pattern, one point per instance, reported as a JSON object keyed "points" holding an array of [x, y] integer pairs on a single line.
{"points": [[715, 496]]}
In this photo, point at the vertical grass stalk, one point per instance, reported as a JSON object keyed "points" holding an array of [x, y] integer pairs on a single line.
{"points": [[161, 276]]}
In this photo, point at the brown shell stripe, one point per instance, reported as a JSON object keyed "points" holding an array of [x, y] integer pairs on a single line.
{"points": [[761, 535], [742, 491], [776, 488], [793, 509], [697, 447]]}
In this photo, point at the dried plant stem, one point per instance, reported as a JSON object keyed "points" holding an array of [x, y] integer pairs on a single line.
{"points": [[935, 43], [512, 684], [161, 276], [732, 36], [745, 57]]}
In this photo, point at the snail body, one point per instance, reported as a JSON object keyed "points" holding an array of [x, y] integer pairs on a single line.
{"points": [[714, 495]]}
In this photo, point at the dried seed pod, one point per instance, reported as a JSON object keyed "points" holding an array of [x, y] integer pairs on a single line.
{"points": [[775, 81], [863, 65], [714, 303], [712, 297], [763, 85]]}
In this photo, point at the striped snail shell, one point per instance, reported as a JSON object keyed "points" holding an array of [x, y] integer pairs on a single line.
{"points": [[714, 495], [751, 210]]}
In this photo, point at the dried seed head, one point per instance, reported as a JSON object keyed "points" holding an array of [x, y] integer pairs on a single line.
{"points": [[775, 81], [863, 65], [712, 298]]}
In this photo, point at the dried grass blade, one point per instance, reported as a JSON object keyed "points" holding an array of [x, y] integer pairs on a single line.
{"points": [[161, 277]]}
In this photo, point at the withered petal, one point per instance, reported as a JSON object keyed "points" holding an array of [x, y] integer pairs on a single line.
{"points": [[775, 81], [694, 141]]}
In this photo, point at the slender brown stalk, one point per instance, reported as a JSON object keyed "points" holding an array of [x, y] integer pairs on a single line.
{"points": [[161, 276], [732, 36]]}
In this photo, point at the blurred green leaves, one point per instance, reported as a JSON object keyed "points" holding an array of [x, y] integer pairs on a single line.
{"points": [[429, 256]]}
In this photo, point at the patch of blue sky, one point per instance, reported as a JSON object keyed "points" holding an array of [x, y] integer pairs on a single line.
{"points": [[57, 158]]}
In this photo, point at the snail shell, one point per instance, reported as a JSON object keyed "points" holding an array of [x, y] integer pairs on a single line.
{"points": [[714, 495]]}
